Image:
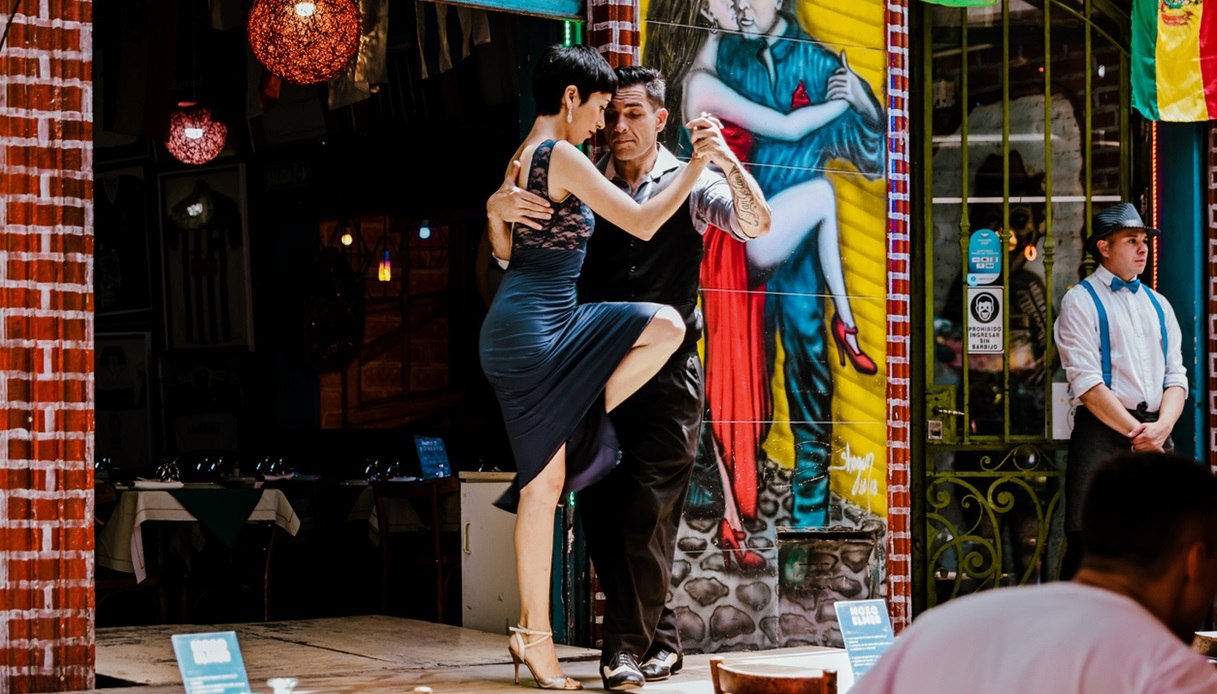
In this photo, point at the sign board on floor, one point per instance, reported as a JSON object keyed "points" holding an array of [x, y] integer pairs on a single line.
{"points": [[867, 632], [211, 663]]}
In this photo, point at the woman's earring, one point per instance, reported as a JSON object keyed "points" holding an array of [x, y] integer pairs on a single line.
{"points": [[570, 115], [713, 25]]}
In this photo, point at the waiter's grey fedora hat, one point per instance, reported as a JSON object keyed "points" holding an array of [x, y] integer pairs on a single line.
{"points": [[1116, 218]]}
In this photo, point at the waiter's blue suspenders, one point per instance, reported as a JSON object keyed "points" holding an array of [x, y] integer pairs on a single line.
{"points": [[1105, 333]]}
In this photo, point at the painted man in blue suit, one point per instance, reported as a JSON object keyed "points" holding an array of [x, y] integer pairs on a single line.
{"points": [[773, 62]]}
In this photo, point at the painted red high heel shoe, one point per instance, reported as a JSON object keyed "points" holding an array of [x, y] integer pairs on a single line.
{"points": [[747, 560], [862, 363]]}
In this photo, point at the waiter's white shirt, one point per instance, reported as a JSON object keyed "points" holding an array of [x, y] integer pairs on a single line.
{"points": [[1139, 373]]}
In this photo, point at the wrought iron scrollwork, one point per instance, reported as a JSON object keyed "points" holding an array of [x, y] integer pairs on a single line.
{"points": [[990, 521]]}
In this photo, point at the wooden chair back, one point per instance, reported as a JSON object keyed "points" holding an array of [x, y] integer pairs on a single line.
{"points": [[738, 679]]}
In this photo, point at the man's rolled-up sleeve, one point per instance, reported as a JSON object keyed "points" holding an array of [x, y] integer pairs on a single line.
{"points": [[1077, 341], [1176, 372], [711, 203]]}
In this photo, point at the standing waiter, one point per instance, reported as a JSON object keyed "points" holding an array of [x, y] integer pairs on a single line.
{"points": [[1120, 345], [631, 517]]}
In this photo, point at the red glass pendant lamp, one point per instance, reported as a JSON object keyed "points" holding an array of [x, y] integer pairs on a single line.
{"points": [[304, 41], [194, 138]]}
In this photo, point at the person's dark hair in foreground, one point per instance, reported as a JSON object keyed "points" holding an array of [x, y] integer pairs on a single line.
{"points": [[1122, 624]]}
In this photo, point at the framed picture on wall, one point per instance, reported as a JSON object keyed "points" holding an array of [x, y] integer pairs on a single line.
{"points": [[203, 400], [123, 411], [121, 282], [205, 237]]}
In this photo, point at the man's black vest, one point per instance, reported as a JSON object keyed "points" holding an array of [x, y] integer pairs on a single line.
{"points": [[665, 270]]}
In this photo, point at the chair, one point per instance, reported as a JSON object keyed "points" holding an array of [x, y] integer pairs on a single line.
{"points": [[729, 679], [435, 554], [308, 558], [221, 574], [108, 583]]}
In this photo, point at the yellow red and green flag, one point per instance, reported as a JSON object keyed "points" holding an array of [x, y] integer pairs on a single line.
{"points": [[1174, 59]]}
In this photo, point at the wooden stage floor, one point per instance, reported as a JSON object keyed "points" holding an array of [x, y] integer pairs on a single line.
{"points": [[390, 654]]}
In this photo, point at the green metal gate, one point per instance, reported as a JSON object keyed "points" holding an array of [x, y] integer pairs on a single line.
{"points": [[1025, 125]]}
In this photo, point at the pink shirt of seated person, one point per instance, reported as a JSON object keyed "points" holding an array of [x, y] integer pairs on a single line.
{"points": [[1054, 638]]}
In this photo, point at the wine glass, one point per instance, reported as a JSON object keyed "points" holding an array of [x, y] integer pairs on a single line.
{"points": [[169, 470]]}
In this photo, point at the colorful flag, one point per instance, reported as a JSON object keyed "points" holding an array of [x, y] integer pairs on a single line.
{"points": [[1174, 59]]}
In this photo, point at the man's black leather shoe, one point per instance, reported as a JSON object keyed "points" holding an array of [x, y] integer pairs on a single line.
{"points": [[662, 664], [620, 672]]}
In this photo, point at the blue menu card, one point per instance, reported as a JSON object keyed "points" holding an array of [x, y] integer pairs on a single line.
{"points": [[867, 632], [432, 457], [211, 663]]}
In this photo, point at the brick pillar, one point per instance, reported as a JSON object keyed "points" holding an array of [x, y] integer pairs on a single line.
{"points": [[613, 30], [899, 321], [46, 348]]}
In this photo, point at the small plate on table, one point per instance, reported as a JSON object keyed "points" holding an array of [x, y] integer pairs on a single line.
{"points": [[157, 484]]}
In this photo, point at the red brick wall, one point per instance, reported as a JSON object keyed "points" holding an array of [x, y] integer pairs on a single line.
{"points": [[899, 321], [613, 30], [46, 348]]}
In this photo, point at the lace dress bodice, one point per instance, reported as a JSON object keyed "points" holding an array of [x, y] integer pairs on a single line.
{"points": [[572, 223]]}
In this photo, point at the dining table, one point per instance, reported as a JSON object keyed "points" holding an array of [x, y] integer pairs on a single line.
{"points": [[223, 510], [405, 514]]}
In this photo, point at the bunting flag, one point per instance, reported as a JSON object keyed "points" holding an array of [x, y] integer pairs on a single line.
{"points": [[1174, 59]]}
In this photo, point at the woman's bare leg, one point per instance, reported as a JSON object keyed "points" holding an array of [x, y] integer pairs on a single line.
{"points": [[534, 543], [829, 244], [797, 212], [657, 342]]}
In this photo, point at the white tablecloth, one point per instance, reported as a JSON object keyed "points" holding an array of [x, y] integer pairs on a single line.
{"points": [[120, 545]]}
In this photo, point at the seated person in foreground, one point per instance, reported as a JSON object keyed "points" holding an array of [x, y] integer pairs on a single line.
{"points": [[1123, 624]]}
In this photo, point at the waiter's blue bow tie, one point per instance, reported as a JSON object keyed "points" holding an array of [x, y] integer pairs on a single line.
{"points": [[1117, 284]]}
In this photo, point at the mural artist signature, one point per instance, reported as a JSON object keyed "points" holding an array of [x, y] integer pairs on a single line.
{"points": [[862, 468]]}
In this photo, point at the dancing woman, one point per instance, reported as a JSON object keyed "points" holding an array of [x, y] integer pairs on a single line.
{"points": [[557, 367]]}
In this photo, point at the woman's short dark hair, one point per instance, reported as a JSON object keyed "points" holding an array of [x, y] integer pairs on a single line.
{"points": [[562, 66]]}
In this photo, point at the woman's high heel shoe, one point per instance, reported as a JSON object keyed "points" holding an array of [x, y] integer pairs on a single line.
{"points": [[518, 648], [747, 560], [840, 333]]}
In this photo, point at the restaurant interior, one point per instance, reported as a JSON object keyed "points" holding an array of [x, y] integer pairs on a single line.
{"points": [[300, 312]]}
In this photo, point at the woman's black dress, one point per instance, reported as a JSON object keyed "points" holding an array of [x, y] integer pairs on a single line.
{"points": [[547, 357]]}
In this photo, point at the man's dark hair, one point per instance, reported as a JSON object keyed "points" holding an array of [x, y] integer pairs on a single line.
{"points": [[561, 66], [651, 80], [1142, 509]]}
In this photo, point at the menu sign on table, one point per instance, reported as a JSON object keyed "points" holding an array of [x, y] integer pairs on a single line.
{"points": [[432, 457], [867, 632], [211, 663]]}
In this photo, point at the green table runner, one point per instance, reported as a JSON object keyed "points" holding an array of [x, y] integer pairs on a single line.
{"points": [[222, 511]]}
